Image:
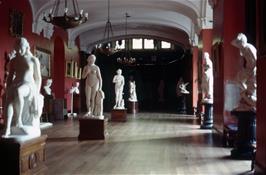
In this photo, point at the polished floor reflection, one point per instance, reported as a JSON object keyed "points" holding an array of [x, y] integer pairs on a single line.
{"points": [[148, 143]]}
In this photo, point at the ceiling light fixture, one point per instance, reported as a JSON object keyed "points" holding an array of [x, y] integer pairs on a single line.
{"points": [[71, 16]]}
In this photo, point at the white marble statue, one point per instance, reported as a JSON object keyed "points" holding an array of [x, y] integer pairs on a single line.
{"points": [[132, 91], [207, 79], [74, 89], [93, 83], [181, 87], [47, 87], [247, 76], [24, 102], [99, 104], [119, 87]]}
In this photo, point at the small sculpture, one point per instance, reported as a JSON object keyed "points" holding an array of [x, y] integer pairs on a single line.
{"points": [[93, 83], [181, 87], [24, 102], [119, 87], [132, 91], [47, 87], [99, 104], [207, 79], [247, 76], [74, 90]]}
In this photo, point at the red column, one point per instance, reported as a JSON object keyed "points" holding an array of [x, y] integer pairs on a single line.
{"points": [[195, 60]]}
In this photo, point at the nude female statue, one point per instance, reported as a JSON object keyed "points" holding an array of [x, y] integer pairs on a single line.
{"points": [[119, 87], [93, 83], [23, 99]]}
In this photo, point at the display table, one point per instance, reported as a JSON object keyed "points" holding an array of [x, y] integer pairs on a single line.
{"points": [[91, 128], [119, 115], [133, 107], [23, 157]]}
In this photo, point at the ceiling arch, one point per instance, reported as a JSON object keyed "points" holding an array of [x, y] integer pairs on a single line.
{"points": [[161, 18]]}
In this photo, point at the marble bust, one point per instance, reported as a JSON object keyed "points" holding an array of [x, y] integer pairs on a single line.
{"points": [[24, 102], [47, 87], [74, 89], [207, 79], [119, 87], [132, 91], [246, 77]]}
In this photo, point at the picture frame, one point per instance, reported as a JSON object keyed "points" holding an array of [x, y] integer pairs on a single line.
{"points": [[79, 73], [16, 23], [69, 69], [44, 57]]}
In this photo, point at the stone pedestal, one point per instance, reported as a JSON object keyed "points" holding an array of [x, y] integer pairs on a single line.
{"points": [[23, 157], [182, 108], [92, 128], [119, 115], [207, 122], [246, 135], [133, 107]]}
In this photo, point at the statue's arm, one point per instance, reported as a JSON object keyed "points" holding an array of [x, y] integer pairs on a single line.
{"points": [[84, 72], [37, 73], [99, 77], [11, 73]]}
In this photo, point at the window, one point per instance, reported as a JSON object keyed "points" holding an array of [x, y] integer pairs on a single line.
{"points": [[120, 44], [137, 43], [148, 44], [165, 45]]}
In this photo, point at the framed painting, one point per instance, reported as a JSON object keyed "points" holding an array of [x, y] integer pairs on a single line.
{"points": [[45, 60], [16, 23], [69, 69]]}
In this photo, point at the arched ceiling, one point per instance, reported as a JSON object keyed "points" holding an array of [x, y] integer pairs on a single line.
{"points": [[176, 20]]}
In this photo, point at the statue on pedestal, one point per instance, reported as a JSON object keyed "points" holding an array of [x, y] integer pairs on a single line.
{"points": [[181, 92], [207, 79], [119, 87], [132, 91], [246, 109], [24, 102], [93, 83], [74, 90]]}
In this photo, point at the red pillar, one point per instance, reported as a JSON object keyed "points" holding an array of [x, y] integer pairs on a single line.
{"points": [[195, 60], [227, 24]]}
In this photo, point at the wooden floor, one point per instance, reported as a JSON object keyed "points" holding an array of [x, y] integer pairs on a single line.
{"points": [[148, 143]]}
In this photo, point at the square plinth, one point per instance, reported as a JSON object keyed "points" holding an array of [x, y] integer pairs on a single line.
{"points": [[23, 157], [119, 115], [92, 128], [133, 107]]}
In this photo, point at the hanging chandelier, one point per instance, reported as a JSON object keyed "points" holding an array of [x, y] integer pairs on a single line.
{"points": [[71, 16], [126, 58], [107, 47]]}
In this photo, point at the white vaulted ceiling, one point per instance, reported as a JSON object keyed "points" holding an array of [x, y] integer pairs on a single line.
{"points": [[173, 20]]}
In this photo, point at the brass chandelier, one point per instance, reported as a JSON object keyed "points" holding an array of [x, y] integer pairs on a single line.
{"points": [[71, 17], [126, 58]]}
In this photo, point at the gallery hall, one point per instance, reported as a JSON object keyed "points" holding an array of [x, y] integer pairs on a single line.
{"points": [[132, 87]]}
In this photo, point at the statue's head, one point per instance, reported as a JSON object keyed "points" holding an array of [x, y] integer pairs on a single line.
{"points": [[119, 71], [240, 41], [91, 59], [22, 46], [49, 82]]}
